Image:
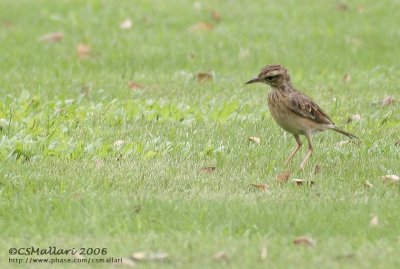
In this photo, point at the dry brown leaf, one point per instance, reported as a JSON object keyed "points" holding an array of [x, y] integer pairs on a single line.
{"points": [[261, 186], [301, 182], [255, 140], [388, 101], [126, 262], [353, 41], [342, 6], [264, 253], [221, 256], [158, 257], [304, 241], [134, 86], [204, 76], [397, 143], [374, 221], [139, 256], [99, 163], [208, 170], [391, 178], [7, 24], [347, 142], [345, 256], [342, 143], [317, 169], [85, 90], [52, 37], [201, 27], [126, 24], [283, 177], [215, 15], [243, 53], [137, 209], [197, 5], [368, 184], [143, 256], [119, 143], [354, 118], [346, 78], [83, 51], [78, 256]]}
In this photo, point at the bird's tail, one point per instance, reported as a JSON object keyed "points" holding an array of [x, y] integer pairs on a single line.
{"points": [[344, 132]]}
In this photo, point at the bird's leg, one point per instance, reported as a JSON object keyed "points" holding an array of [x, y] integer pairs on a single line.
{"points": [[298, 141], [310, 150]]}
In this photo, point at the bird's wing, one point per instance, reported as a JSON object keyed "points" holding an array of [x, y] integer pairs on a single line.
{"points": [[303, 106]]}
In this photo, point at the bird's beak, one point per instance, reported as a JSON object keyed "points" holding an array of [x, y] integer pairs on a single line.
{"points": [[254, 80]]}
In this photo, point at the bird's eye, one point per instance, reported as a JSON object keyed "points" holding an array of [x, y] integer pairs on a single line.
{"points": [[270, 78]]}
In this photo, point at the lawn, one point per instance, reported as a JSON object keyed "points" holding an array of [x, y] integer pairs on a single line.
{"points": [[129, 130]]}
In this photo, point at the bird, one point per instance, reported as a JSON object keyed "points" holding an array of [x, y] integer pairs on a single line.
{"points": [[294, 111]]}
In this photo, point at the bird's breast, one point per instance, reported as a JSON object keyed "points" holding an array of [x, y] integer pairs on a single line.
{"points": [[279, 106]]}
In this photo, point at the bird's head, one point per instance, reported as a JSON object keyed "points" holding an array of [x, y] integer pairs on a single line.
{"points": [[274, 75]]}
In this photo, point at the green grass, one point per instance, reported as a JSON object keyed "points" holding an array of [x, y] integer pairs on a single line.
{"points": [[65, 182]]}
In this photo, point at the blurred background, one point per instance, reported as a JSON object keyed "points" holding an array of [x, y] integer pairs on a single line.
{"points": [[164, 41]]}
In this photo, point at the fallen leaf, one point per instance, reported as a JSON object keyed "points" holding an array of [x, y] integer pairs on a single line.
{"points": [[353, 41], [197, 5], [261, 186], [374, 221], [139, 256], [346, 78], [158, 257], [391, 178], [354, 118], [126, 262], [255, 140], [342, 6], [99, 163], [52, 37], [397, 143], [85, 89], [83, 51], [143, 256], [118, 144], [78, 256], [264, 253], [221, 256], [388, 101], [283, 177], [317, 169], [208, 170], [347, 142], [342, 143], [368, 184], [126, 24], [304, 241], [134, 86], [203, 76], [301, 182], [215, 15], [243, 53], [137, 209], [7, 24], [345, 256], [201, 27]]}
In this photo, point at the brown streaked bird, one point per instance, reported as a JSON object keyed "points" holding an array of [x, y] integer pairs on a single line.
{"points": [[295, 112]]}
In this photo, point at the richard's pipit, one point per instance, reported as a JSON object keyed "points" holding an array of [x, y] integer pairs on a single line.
{"points": [[295, 112]]}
